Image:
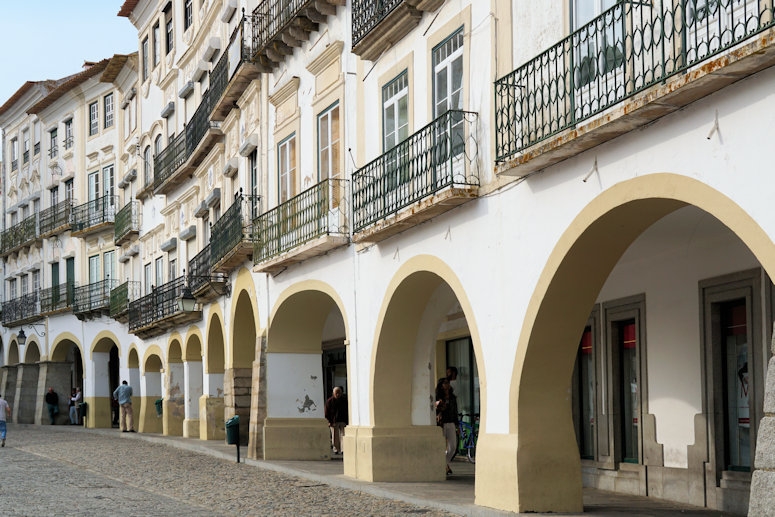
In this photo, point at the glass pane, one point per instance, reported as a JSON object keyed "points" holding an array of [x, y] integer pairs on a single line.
{"points": [[585, 396], [403, 118], [390, 127], [736, 386], [457, 84], [441, 92], [629, 391]]}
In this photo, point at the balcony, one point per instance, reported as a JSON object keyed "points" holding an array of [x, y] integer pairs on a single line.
{"points": [[378, 24], [174, 164], [634, 63], [127, 223], [56, 299], [232, 235], [234, 71], [310, 224], [20, 235], [205, 284], [429, 173], [120, 297], [93, 299], [22, 310], [55, 219], [281, 25], [157, 312], [94, 216]]}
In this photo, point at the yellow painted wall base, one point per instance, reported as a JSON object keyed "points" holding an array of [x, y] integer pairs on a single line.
{"points": [[190, 428], [146, 419], [173, 414], [407, 454], [211, 422], [500, 485], [297, 439], [98, 412]]}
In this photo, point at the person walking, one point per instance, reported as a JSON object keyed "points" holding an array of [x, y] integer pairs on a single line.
{"points": [[446, 417], [123, 394], [52, 403], [75, 399], [5, 412], [336, 414]]}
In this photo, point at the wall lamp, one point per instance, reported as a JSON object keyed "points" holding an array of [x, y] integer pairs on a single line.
{"points": [[22, 336]]}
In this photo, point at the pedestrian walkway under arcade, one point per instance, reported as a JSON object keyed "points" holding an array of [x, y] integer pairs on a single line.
{"points": [[455, 495]]}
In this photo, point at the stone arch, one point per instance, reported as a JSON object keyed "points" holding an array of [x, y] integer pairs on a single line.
{"points": [[541, 452], [13, 352], [173, 411], [152, 390], [105, 358], [32, 352]]}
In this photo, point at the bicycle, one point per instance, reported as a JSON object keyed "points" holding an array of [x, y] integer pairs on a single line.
{"points": [[468, 432]]}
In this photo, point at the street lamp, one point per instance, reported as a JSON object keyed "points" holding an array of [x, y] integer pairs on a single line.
{"points": [[187, 302], [22, 337]]}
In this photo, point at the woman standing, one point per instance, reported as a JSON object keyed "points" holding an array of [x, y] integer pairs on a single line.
{"points": [[446, 417]]}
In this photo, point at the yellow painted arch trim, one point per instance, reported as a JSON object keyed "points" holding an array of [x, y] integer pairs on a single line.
{"points": [[150, 351], [193, 332], [103, 334], [62, 337], [310, 285]]}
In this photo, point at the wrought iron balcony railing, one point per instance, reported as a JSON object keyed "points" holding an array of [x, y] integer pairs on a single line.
{"points": [[94, 213], [121, 296], [367, 14], [68, 142], [319, 210], [20, 310], [436, 157], [235, 227], [55, 219], [234, 70], [57, 298], [628, 48], [279, 25], [127, 222], [53, 152], [153, 313], [199, 269], [21, 234], [93, 297]]}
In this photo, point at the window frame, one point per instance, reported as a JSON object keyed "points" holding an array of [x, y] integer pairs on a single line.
{"points": [[332, 147], [94, 118], [108, 110], [286, 149]]}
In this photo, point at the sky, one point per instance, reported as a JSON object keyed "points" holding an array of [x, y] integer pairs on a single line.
{"points": [[51, 39]]}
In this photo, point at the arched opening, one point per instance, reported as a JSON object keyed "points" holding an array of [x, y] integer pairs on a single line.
{"points": [[150, 421], [194, 383], [655, 297], [211, 404], [238, 379], [29, 407], [424, 329], [101, 409], [65, 373], [174, 411], [299, 367]]}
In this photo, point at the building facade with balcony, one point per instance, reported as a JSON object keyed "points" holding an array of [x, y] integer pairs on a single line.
{"points": [[568, 203]]}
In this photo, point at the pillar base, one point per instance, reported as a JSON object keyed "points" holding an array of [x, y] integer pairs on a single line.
{"points": [[190, 428], [173, 414], [98, 413], [211, 422], [146, 419], [297, 439], [403, 454]]}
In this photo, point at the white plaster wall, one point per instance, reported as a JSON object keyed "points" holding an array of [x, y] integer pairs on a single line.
{"points": [[294, 386]]}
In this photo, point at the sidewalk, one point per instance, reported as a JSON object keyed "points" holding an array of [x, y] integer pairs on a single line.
{"points": [[455, 495]]}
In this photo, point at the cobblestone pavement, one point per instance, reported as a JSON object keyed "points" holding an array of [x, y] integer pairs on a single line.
{"points": [[50, 472]]}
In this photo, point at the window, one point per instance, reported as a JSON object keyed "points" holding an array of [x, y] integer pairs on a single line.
{"points": [[12, 288], [36, 129], [68, 133], [108, 108], [159, 271], [69, 190], [156, 44], [25, 281], [14, 154], [168, 25], [395, 109], [188, 14], [109, 267], [448, 92], [147, 173], [53, 149], [36, 206], [254, 187], [597, 50], [109, 184], [157, 143], [94, 269], [54, 196], [145, 58], [94, 118], [26, 145], [36, 280], [286, 168], [328, 144], [173, 268], [14, 218], [148, 279]]}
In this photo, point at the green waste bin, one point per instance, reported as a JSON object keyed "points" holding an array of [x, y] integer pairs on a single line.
{"points": [[232, 430], [82, 411], [159, 407]]}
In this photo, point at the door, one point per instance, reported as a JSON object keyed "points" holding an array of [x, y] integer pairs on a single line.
{"points": [[95, 205], [95, 283], [449, 134], [55, 294], [70, 272]]}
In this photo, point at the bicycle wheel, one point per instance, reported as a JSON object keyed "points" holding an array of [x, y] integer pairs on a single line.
{"points": [[471, 453]]}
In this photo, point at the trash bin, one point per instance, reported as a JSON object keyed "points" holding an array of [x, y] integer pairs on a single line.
{"points": [[232, 430], [82, 407], [159, 407]]}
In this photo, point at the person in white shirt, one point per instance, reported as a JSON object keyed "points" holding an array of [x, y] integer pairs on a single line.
{"points": [[5, 412]]}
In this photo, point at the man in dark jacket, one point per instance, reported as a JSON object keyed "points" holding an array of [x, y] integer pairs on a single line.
{"points": [[336, 414], [52, 403]]}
